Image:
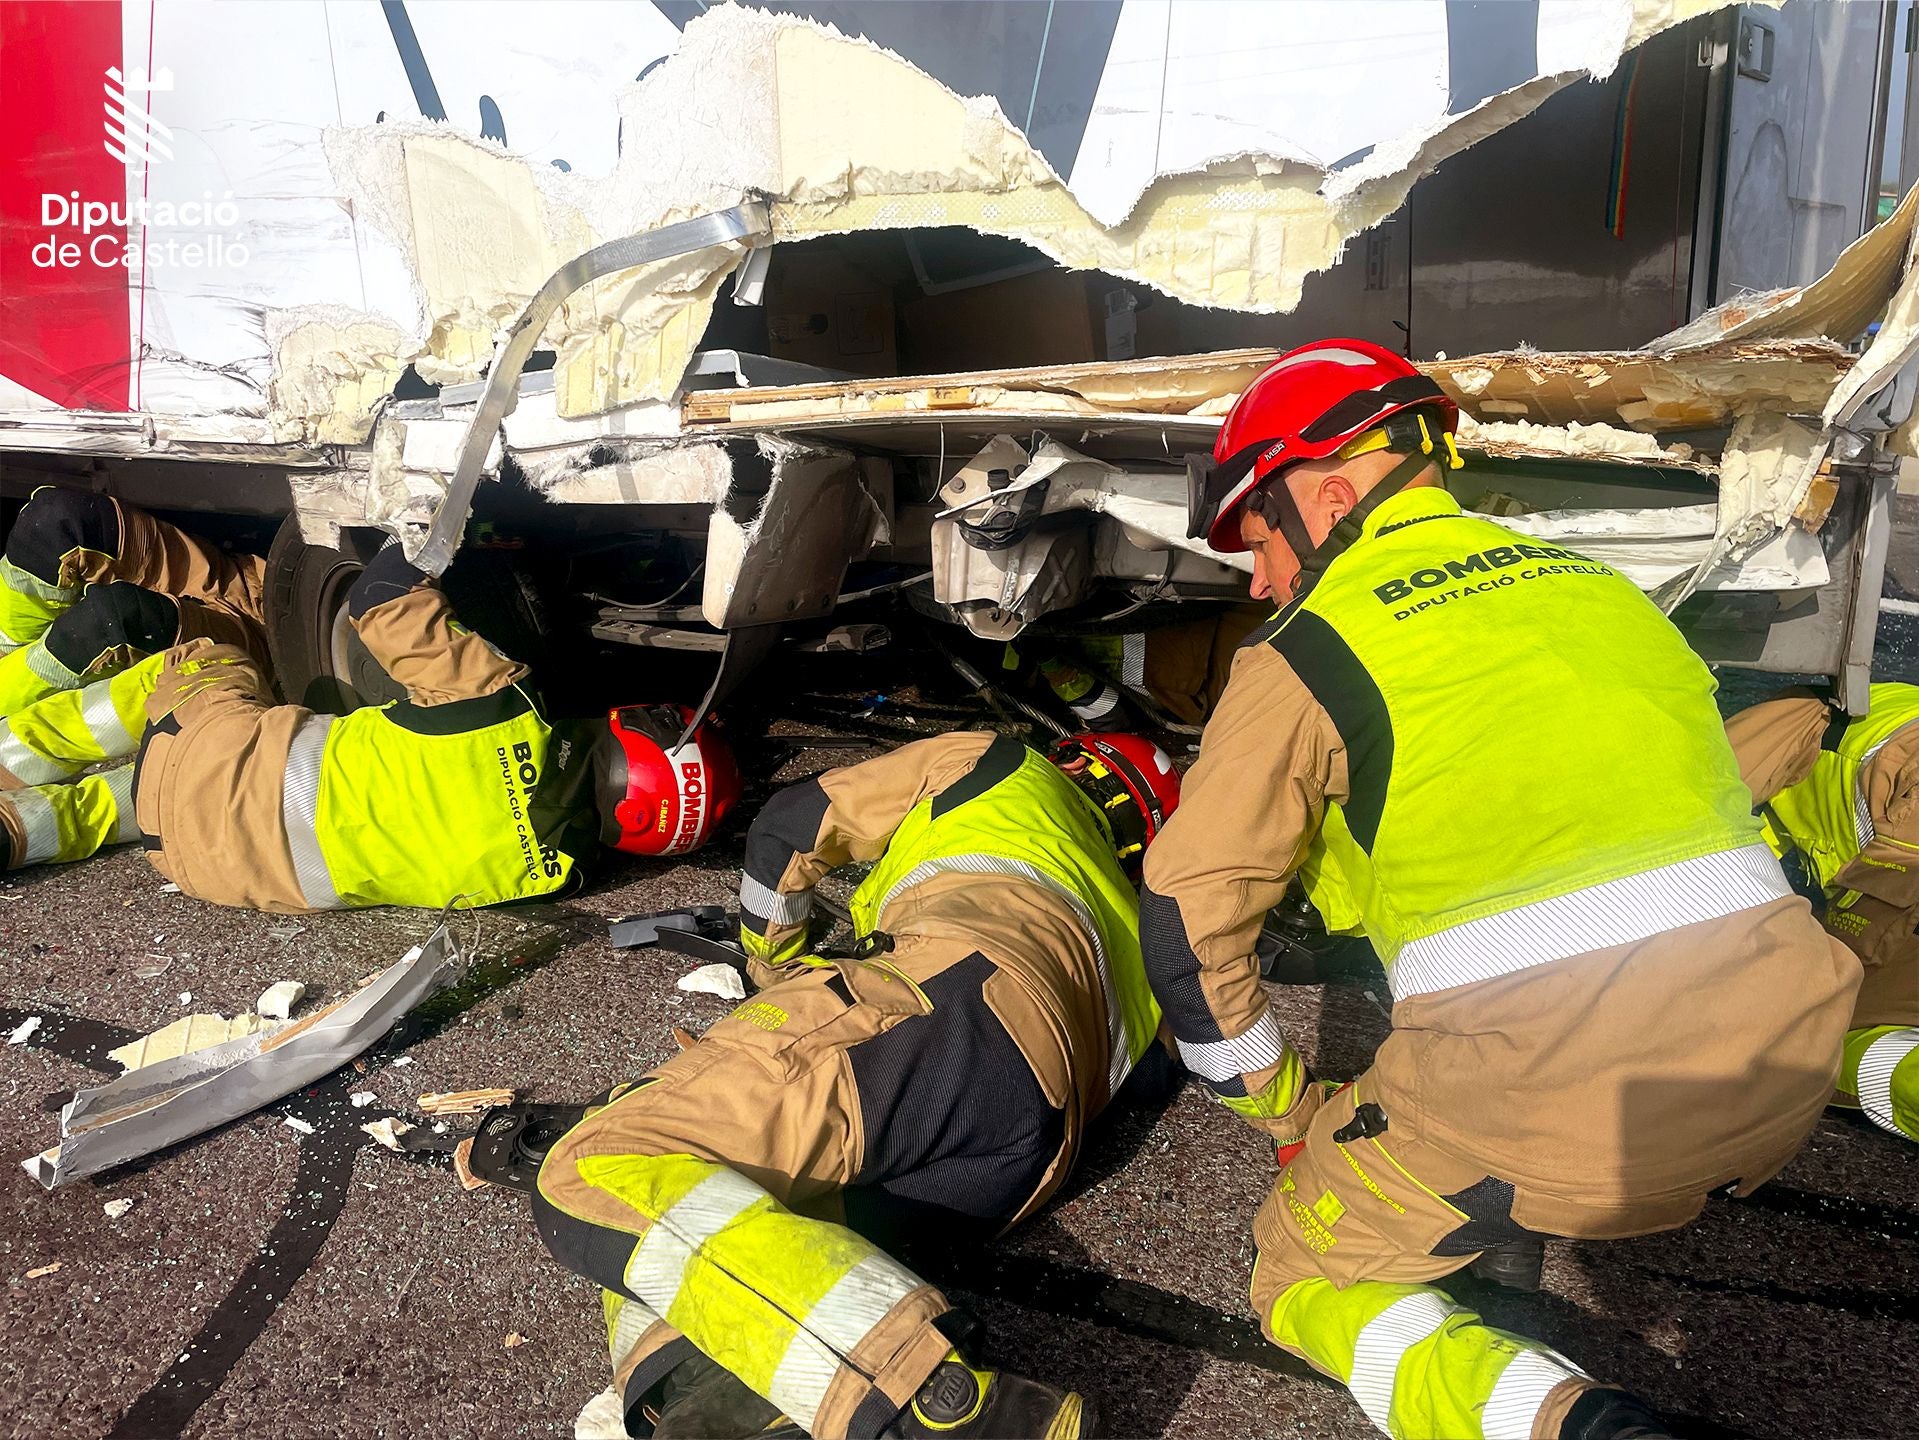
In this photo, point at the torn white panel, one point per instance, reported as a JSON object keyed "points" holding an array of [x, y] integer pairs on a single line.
{"points": [[161, 1104], [1652, 546], [841, 135], [787, 561]]}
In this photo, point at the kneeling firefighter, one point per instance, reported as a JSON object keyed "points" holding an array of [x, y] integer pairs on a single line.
{"points": [[1517, 764], [1839, 798], [943, 1083], [464, 789]]}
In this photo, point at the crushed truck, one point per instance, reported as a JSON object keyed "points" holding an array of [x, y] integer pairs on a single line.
{"points": [[667, 329]]}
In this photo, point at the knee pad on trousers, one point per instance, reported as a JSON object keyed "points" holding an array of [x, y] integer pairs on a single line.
{"points": [[56, 522], [109, 617]]}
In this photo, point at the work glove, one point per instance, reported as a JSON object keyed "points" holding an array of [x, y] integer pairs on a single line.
{"points": [[1284, 1106], [1286, 1150]]}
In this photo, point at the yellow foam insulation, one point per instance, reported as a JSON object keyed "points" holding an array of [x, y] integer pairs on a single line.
{"points": [[1698, 388], [331, 372], [184, 1036], [838, 135]]}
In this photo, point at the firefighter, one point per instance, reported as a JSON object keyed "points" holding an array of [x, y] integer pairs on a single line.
{"points": [[1181, 669], [942, 1083], [80, 569], [464, 790], [1517, 764], [1839, 799]]}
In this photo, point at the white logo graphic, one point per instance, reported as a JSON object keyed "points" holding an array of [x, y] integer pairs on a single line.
{"points": [[133, 134]]}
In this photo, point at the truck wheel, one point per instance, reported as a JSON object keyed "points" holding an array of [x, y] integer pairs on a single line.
{"points": [[317, 655]]}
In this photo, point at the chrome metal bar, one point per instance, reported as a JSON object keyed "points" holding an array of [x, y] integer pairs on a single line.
{"points": [[747, 224]]}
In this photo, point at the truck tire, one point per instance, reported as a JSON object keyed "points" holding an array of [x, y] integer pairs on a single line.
{"points": [[317, 656]]}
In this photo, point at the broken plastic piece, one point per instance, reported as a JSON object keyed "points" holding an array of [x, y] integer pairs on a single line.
{"points": [[276, 1002], [159, 1105], [294, 1122], [360, 1099], [39, 1270], [24, 1030], [116, 1208], [716, 979], [634, 930]]}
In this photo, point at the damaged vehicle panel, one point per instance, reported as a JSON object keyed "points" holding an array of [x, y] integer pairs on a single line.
{"points": [[893, 340]]}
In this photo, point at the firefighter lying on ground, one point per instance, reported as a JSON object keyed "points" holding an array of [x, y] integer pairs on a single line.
{"points": [[1517, 764], [1839, 799], [462, 789], [943, 1083]]}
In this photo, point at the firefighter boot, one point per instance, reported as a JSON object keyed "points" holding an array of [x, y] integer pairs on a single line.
{"points": [[1604, 1413], [1517, 1264], [700, 1400], [961, 1403]]}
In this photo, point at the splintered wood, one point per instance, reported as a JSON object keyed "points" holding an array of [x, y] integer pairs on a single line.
{"points": [[464, 1102], [1169, 385]]}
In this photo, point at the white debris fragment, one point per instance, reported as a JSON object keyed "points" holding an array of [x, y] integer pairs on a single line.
{"points": [[718, 978], [186, 997], [293, 1122], [404, 1060], [276, 1002], [602, 1418], [169, 889], [387, 1132], [24, 1030], [153, 966], [360, 1099], [116, 1208]]}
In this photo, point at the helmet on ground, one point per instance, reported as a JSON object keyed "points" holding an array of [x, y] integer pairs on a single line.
{"points": [[655, 795], [1130, 778], [1309, 404]]}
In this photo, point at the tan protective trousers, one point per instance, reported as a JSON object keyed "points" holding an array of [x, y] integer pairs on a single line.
{"points": [[704, 1198]]}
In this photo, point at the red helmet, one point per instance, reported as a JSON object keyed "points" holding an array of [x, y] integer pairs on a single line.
{"points": [[656, 796], [1306, 405], [1130, 778]]}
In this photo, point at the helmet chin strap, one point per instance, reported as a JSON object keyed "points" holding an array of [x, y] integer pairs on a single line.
{"points": [[1280, 510]]}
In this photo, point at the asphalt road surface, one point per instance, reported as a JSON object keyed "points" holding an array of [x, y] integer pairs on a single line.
{"points": [[269, 1281]]}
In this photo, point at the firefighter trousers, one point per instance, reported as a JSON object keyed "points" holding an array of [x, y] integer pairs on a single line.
{"points": [[705, 1198], [1350, 1237], [89, 586]]}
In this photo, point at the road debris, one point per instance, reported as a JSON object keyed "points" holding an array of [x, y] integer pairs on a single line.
{"points": [[38, 1271], [360, 1099], [160, 1104], [153, 966], [388, 1132], [513, 1341], [116, 1208], [294, 1122], [463, 1166], [186, 997], [464, 1102], [185, 1036], [276, 1002], [718, 978], [24, 1030], [634, 930]]}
